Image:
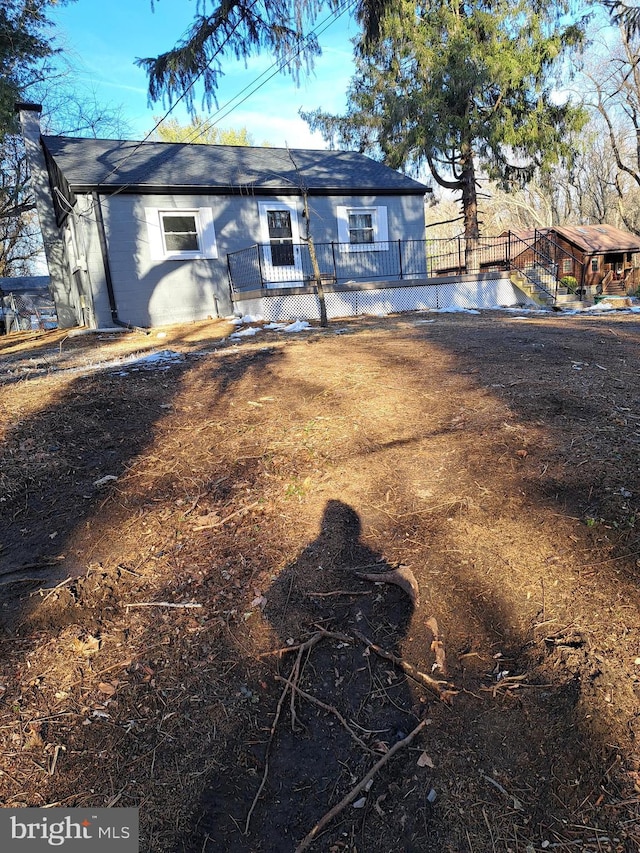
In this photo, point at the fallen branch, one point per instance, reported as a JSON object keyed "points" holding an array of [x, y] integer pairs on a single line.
{"points": [[330, 635], [314, 700], [227, 518], [289, 684], [44, 563], [54, 589], [266, 757], [441, 688], [307, 841], [516, 802], [339, 592], [163, 604], [402, 577]]}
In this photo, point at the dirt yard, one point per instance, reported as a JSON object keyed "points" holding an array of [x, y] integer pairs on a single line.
{"points": [[185, 623]]}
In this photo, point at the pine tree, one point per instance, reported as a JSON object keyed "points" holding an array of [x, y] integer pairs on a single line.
{"points": [[24, 46], [462, 87]]}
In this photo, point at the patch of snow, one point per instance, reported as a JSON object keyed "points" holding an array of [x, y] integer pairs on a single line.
{"points": [[111, 330], [298, 326], [158, 360], [455, 309], [600, 306], [245, 333]]}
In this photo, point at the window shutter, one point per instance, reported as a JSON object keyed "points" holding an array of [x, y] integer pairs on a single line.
{"points": [[342, 216], [208, 244], [382, 230], [154, 234]]}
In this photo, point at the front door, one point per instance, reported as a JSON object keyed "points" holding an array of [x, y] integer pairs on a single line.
{"points": [[281, 257]]}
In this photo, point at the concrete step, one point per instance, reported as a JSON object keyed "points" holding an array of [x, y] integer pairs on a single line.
{"points": [[565, 296], [571, 305]]}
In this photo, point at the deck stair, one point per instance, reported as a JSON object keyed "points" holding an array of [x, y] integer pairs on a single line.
{"points": [[540, 285], [614, 287]]}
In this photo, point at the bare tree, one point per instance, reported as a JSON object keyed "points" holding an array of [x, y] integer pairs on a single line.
{"points": [[69, 111], [615, 96]]}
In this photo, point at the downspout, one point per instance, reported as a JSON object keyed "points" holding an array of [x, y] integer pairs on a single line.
{"points": [[102, 237]]}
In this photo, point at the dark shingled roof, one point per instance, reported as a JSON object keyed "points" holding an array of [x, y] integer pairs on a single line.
{"points": [[109, 164]]}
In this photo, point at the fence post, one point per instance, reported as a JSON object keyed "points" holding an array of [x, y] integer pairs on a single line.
{"points": [[400, 258], [230, 280], [333, 257], [260, 267]]}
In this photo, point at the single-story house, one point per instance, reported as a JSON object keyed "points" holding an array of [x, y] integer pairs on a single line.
{"points": [[139, 233], [600, 257]]}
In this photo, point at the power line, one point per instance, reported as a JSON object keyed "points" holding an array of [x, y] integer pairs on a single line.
{"points": [[273, 70], [184, 94]]}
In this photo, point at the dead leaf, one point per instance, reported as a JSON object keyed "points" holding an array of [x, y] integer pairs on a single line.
{"points": [[87, 646], [211, 519], [402, 577], [522, 453], [437, 646], [377, 806], [107, 687], [425, 761]]}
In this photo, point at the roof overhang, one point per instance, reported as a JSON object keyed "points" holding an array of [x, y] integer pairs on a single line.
{"points": [[172, 189]]}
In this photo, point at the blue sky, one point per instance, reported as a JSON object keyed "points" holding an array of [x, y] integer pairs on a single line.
{"points": [[104, 38]]}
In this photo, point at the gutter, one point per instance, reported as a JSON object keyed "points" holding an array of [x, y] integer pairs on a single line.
{"points": [[244, 190], [107, 269]]}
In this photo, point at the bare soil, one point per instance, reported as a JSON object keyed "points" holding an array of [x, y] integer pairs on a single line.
{"points": [[184, 628]]}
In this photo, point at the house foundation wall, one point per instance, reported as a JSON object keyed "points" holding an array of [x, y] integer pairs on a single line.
{"points": [[379, 298]]}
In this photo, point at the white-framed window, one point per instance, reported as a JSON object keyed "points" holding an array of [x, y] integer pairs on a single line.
{"points": [[567, 266], [177, 234], [363, 229]]}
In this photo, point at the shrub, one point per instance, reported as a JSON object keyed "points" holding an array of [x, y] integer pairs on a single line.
{"points": [[569, 282]]}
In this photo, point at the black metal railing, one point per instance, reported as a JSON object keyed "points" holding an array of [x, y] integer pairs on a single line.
{"points": [[536, 265], [285, 265], [265, 266]]}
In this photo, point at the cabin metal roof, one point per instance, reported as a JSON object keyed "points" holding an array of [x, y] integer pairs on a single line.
{"points": [[591, 239]]}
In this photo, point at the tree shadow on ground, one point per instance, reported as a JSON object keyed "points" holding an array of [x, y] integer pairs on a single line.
{"points": [[62, 466]]}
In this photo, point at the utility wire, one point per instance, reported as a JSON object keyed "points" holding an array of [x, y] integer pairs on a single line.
{"points": [[187, 89], [273, 70]]}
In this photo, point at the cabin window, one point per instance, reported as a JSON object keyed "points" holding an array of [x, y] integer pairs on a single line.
{"points": [[595, 265], [181, 234], [363, 229], [567, 266]]}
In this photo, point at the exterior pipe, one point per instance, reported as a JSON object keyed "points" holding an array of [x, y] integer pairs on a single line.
{"points": [[107, 268]]}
